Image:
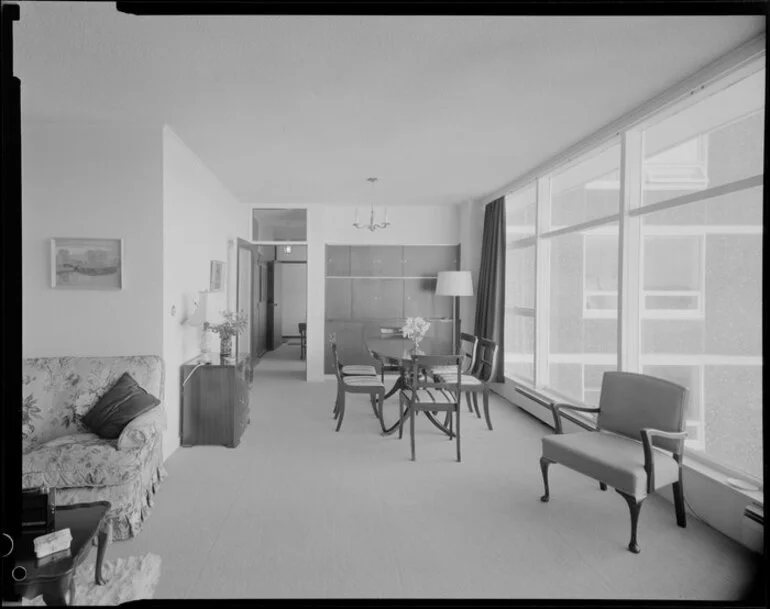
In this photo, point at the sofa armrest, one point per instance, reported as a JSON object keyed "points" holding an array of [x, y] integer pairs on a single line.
{"points": [[139, 431]]}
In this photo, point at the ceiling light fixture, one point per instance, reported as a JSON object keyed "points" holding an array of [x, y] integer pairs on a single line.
{"points": [[372, 226]]}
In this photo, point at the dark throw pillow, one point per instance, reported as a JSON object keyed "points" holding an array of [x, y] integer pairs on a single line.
{"points": [[122, 403]]}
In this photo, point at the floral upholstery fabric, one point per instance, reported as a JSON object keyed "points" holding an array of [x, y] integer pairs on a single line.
{"points": [[58, 451]]}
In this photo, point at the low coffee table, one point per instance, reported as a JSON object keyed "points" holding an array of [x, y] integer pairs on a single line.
{"points": [[53, 575]]}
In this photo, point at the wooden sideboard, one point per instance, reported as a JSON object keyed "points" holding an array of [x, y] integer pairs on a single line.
{"points": [[374, 286], [215, 400]]}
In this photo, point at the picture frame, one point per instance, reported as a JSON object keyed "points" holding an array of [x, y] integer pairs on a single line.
{"points": [[86, 263], [217, 276]]}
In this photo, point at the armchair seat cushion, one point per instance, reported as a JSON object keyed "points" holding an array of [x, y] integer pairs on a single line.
{"points": [[80, 460], [360, 370], [610, 458]]}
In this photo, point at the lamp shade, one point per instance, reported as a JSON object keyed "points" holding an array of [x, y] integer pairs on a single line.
{"points": [[454, 283]]}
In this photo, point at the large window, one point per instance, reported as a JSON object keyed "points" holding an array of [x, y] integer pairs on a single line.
{"points": [[685, 219]]}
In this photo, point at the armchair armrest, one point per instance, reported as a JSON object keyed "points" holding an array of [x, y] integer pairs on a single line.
{"points": [[556, 410], [139, 431], [647, 442]]}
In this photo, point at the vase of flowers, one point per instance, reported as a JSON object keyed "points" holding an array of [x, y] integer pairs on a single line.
{"points": [[232, 324], [415, 330]]}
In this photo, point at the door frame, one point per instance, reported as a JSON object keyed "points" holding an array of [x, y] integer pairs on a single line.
{"points": [[243, 244]]}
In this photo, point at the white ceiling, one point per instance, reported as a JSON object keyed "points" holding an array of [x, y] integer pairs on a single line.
{"points": [[301, 110]]}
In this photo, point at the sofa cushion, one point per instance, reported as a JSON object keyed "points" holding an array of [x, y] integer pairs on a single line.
{"points": [[78, 460], [122, 403], [610, 458]]}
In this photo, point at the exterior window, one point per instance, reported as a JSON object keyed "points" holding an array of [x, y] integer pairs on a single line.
{"points": [[692, 277], [673, 276]]}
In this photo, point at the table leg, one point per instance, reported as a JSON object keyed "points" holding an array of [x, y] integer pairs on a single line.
{"points": [[441, 427], [61, 592], [100, 551], [399, 384]]}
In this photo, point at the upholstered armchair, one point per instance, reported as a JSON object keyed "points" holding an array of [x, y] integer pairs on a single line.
{"points": [[637, 446]]}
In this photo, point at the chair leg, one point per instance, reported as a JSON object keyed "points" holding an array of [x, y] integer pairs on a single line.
{"points": [[468, 400], [476, 404], [634, 506], [373, 402], [400, 416], [544, 463], [486, 408], [341, 411], [380, 407], [337, 400], [681, 515], [602, 486], [458, 432], [411, 429]]}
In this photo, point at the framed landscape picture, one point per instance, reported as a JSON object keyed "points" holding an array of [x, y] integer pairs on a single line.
{"points": [[87, 264], [217, 276]]}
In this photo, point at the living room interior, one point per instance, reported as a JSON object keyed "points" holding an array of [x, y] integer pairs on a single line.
{"points": [[594, 184]]}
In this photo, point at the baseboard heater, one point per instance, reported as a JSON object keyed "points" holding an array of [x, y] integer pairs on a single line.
{"points": [[753, 527]]}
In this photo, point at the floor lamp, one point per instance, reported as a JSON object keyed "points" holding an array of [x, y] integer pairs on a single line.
{"points": [[455, 284]]}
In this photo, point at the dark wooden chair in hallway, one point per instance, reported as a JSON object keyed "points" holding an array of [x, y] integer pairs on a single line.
{"points": [[348, 383], [302, 339], [636, 447], [430, 397], [479, 378]]}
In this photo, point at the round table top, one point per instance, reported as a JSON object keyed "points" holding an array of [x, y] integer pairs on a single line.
{"points": [[397, 349]]}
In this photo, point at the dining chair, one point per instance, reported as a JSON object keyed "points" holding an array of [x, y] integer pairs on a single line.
{"points": [[479, 378], [636, 447], [469, 348], [388, 332], [302, 339], [354, 369], [423, 395], [368, 384]]}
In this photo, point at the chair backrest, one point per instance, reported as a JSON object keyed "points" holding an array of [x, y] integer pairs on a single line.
{"points": [[335, 356], [630, 402], [469, 346], [302, 328], [486, 359], [415, 379]]}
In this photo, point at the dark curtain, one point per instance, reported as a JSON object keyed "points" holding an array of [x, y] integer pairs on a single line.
{"points": [[490, 298]]}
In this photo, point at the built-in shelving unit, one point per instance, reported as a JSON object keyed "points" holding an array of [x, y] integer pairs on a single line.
{"points": [[370, 287]]}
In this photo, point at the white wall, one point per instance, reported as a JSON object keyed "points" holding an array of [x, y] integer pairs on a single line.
{"points": [[293, 297], [201, 222], [97, 180]]}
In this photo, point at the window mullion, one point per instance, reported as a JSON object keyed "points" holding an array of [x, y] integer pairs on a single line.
{"points": [[542, 280], [629, 255]]}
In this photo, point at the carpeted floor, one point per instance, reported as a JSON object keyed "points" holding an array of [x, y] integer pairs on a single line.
{"points": [[298, 510]]}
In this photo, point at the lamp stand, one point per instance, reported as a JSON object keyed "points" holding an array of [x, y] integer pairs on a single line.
{"points": [[456, 323]]}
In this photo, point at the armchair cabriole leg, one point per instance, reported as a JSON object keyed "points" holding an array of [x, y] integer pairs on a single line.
{"points": [[544, 463], [681, 515], [634, 506], [603, 486]]}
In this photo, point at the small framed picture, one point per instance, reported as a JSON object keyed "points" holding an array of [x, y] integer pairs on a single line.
{"points": [[87, 264], [217, 276]]}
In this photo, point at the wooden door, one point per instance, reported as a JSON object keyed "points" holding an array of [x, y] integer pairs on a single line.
{"points": [[274, 305]]}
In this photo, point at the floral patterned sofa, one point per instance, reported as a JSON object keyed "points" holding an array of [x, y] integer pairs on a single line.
{"points": [[59, 451]]}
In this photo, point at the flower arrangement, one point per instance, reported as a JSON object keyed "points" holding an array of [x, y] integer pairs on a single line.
{"points": [[415, 329], [234, 323]]}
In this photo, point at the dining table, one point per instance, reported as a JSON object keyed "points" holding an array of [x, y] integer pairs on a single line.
{"points": [[397, 352]]}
